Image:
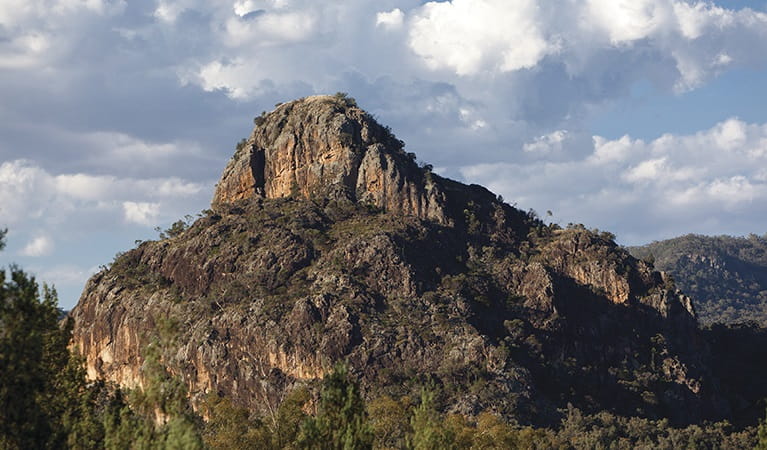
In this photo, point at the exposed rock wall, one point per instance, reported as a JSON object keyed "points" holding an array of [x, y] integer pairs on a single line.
{"points": [[293, 271], [325, 147]]}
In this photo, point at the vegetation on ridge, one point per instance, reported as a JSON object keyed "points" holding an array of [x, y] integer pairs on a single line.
{"points": [[727, 276], [460, 322]]}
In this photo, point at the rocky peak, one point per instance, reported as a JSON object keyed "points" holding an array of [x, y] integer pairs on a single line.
{"points": [[291, 271], [325, 147]]}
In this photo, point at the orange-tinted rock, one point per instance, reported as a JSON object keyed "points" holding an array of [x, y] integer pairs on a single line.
{"points": [[325, 147], [291, 272]]}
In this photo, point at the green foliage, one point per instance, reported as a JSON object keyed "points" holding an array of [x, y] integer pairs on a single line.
{"points": [[605, 430], [28, 334], [165, 415], [123, 428], [176, 228], [259, 120], [345, 99], [76, 404], [44, 399], [473, 225], [762, 435], [726, 276], [231, 427], [432, 430], [289, 417], [341, 421], [390, 419], [429, 430]]}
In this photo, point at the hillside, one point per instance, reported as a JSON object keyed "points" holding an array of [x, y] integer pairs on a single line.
{"points": [[326, 242], [727, 276]]}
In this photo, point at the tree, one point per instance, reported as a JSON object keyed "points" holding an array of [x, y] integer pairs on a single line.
{"points": [[390, 419], [230, 426], [166, 418], [429, 430], [287, 422], [44, 398], [26, 324], [762, 445], [341, 421]]}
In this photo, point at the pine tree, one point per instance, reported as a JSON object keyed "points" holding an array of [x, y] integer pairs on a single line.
{"points": [[26, 326], [429, 430], [45, 400], [341, 421]]}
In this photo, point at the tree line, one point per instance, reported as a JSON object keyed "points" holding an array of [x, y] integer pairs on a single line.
{"points": [[46, 401]]}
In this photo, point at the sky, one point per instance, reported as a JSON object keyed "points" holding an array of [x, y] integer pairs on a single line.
{"points": [[642, 117]]}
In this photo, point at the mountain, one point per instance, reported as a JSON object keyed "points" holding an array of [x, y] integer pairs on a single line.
{"points": [[327, 242], [727, 276]]}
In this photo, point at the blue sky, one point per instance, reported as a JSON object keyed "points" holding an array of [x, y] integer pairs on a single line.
{"points": [[642, 117]]}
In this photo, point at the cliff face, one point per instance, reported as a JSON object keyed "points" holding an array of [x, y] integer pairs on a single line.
{"points": [[326, 242], [326, 147]]}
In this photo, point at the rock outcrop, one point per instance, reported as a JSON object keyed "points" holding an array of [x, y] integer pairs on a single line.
{"points": [[327, 242], [326, 147]]}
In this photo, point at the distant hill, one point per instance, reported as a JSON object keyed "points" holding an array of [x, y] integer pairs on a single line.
{"points": [[726, 276]]}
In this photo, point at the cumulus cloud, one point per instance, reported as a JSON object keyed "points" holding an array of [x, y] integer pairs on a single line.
{"points": [[90, 217], [625, 21], [269, 28], [113, 103], [39, 246], [237, 78], [470, 36], [494, 36], [142, 213], [702, 182], [390, 19], [28, 192], [547, 143], [521, 69], [39, 31]]}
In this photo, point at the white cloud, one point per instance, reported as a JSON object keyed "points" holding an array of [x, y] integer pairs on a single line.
{"points": [[470, 36], [116, 103], [625, 21], [494, 36], [168, 11], [547, 143], [390, 19], [606, 151], [730, 135], [83, 187], [238, 79], [40, 31], [67, 275], [270, 28], [39, 246], [13, 12], [142, 213], [90, 217], [708, 182], [28, 192]]}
